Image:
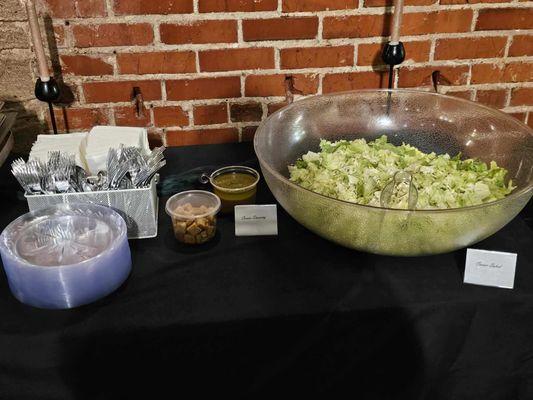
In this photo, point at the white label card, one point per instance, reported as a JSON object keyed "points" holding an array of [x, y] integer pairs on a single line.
{"points": [[256, 220], [490, 268]]}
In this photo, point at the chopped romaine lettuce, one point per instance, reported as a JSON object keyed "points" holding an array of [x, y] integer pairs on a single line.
{"points": [[357, 171]]}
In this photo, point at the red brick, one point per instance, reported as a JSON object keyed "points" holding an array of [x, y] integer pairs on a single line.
{"points": [[85, 65], [446, 2], [413, 24], [280, 28], [215, 31], [274, 85], [518, 72], [522, 45], [204, 88], [370, 53], [76, 119], [492, 98], [127, 116], [512, 72], [142, 7], [437, 22], [248, 112], [519, 116], [75, 8], [161, 62], [354, 26], [463, 94], [113, 92], [504, 18], [205, 6], [113, 35], [530, 119], [466, 48], [422, 76], [248, 133], [317, 57], [202, 136], [273, 107], [487, 73], [318, 5], [353, 81], [236, 59], [388, 3], [522, 97], [170, 116], [211, 114]]}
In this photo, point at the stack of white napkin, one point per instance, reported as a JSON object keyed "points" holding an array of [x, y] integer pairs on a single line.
{"points": [[69, 143], [91, 148], [101, 138]]}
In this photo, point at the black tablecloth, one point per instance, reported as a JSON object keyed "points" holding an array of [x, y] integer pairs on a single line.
{"points": [[275, 316]]}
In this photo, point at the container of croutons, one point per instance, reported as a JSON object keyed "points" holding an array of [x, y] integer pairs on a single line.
{"points": [[194, 215]]}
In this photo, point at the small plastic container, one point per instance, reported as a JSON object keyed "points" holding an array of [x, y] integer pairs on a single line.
{"points": [[194, 216], [235, 185]]}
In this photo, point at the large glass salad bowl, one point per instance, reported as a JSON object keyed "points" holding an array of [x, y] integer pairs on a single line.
{"points": [[429, 121]]}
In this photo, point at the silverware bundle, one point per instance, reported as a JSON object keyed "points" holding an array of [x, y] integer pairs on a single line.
{"points": [[127, 168], [130, 163], [31, 175]]}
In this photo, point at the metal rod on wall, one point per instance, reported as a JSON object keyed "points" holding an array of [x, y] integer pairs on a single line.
{"points": [[46, 87], [394, 52]]}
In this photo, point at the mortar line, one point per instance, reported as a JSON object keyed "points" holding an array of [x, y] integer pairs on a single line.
{"points": [[275, 14], [508, 44], [297, 43], [109, 8]]}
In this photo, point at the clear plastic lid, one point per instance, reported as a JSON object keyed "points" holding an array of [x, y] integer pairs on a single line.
{"points": [[62, 235], [231, 170], [193, 204]]}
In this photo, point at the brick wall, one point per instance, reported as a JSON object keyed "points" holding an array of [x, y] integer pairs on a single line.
{"points": [[16, 77], [211, 70]]}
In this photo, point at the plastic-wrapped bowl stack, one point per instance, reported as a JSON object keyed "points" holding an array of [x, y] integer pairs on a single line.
{"points": [[66, 255]]}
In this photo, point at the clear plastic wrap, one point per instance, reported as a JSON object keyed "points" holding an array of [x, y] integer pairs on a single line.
{"points": [[65, 255]]}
